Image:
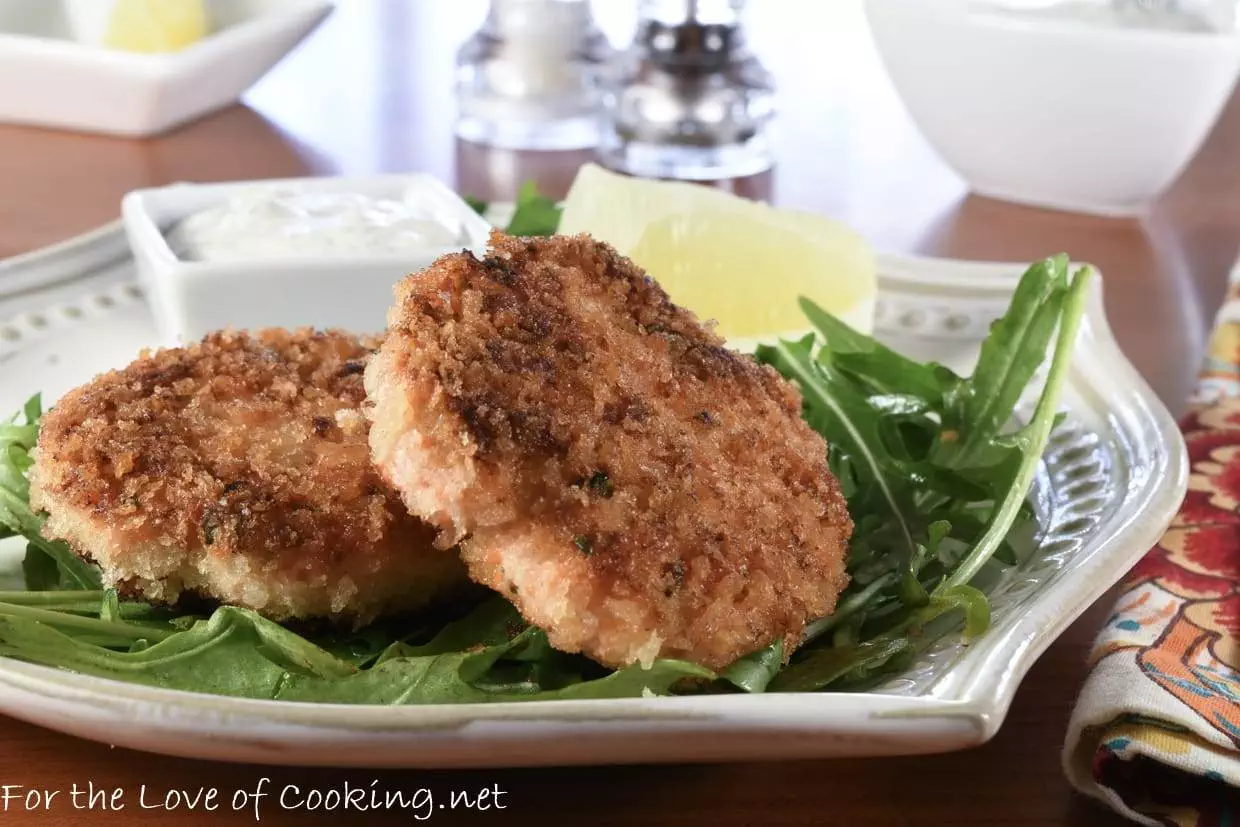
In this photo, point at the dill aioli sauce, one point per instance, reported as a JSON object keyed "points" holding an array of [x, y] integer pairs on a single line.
{"points": [[265, 224]]}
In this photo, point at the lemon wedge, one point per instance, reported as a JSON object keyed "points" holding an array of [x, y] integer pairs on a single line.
{"points": [[156, 25], [738, 262]]}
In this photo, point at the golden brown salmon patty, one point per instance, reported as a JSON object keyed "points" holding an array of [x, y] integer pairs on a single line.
{"points": [[637, 489], [237, 469]]}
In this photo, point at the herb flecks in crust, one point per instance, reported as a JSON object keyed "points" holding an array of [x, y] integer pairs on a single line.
{"points": [[237, 468], [508, 382]]}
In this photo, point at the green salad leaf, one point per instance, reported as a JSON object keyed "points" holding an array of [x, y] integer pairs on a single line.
{"points": [[534, 213], [240, 654], [755, 671], [935, 476], [935, 470], [48, 564], [821, 667]]}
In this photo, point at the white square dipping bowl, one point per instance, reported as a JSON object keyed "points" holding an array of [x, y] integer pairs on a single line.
{"points": [[48, 77], [191, 298]]}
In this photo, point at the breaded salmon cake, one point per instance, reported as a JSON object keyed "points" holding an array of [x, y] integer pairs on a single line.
{"points": [[636, 489], [237, 470]]}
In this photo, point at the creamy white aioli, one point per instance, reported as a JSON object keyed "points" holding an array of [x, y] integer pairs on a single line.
{"points": [[265, 224]]}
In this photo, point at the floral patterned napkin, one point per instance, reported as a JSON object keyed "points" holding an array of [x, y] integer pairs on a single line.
{"points": [[1156, 731]]}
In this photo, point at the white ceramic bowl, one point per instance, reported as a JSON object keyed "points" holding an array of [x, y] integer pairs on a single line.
{"points": [[192, 298], [48, 78], [1050, 113]]}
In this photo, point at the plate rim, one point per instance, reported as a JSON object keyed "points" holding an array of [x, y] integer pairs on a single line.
{"points": [[915, 723], [64, 262]]}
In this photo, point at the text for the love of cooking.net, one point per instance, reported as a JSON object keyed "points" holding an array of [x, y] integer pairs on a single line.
{"points": [[264, 796]]}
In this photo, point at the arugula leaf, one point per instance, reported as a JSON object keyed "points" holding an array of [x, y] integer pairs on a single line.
{"points": [[75, 573], [66, 619], [1032, 438], [16, 443], [633, 681], [823, 667], [1012, 352], [970, 601], [363, 647], [235, 653], [437, 678], [536, 214], [456, 677], [537, 665], [240, 654], [755, 671], [491, 623], [876, 366], [40, 570], [934, 475], [835, 408], [110, 607]]}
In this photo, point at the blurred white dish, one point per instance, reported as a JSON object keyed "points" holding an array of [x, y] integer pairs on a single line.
{"points": [[352, 291], [47, 78], [1052, 113], [1176, 15]]}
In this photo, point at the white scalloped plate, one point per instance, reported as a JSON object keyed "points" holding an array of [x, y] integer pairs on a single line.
{"points": [[1112, 479]]}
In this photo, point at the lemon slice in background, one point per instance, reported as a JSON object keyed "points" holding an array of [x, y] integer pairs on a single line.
{"points": [[156, 25], [739, 262]]}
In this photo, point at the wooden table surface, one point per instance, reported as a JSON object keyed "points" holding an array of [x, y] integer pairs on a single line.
{"points": [[371, 92]]}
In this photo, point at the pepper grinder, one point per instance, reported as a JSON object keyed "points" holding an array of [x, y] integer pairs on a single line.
{"points": [[688, 100]]}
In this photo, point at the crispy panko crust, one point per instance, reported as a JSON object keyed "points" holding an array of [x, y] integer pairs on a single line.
{"points": [[237, 470], [637, 489]]}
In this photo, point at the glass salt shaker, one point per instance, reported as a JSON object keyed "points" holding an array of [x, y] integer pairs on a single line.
{"points": [[688, 100], [531, 76]]}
